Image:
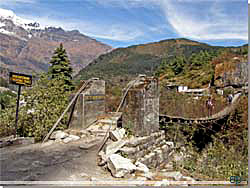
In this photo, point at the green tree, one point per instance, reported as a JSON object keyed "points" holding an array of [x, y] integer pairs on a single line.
{"points": [[60, 67], [177, 64]]}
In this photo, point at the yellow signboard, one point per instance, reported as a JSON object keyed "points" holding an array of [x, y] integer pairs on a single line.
{"points": [[94, 97], [20, 79]]}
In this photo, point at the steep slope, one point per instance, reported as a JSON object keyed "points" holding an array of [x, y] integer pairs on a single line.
{"points": [[27, 47]]}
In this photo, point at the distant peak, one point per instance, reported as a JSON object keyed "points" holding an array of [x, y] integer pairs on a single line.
{"points": [[6, 14], [18, 21]]}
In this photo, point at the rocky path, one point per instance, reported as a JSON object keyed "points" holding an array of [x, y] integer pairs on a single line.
{"points": [[56, 162]]}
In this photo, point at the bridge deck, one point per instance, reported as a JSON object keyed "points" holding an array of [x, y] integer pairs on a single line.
{"points": [[216, 116]]}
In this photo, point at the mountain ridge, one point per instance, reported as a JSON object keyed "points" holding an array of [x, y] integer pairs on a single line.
{"points": [[28, 48], [155, 51], [126, 63]]}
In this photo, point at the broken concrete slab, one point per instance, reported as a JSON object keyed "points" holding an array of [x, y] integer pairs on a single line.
{"points": [[141, 167], [128, 150], [117, 134], [133, 142], [114, 147], [120, 166], [88, 145], [58, 135], [70, 138]]}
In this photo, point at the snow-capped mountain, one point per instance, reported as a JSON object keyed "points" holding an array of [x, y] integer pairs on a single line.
{"points": [[24, 23], [27, 47], [8, 20]]}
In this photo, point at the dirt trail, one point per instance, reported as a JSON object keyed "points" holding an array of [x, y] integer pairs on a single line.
{"points": [[56, 162]]}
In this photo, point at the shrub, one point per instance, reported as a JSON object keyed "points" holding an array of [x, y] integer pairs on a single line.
{"points": [[45, 102]]}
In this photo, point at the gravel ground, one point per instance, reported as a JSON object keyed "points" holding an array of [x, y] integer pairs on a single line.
{"points": [[56, 162]]}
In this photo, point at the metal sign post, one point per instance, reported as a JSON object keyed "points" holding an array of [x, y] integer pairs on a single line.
{"points": [[17, 108], [20, 80]]}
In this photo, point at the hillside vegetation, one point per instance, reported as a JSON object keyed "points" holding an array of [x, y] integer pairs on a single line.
{"points": [[141, 59]]}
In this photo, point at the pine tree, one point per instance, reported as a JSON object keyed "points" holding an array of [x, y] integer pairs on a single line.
{"points": [[60, 67]]}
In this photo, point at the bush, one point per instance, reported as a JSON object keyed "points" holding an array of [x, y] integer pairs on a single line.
{"points": [[5, 99], [45, 102], [225, 151]]}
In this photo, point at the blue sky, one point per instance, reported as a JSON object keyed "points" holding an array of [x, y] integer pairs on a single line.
{"points": [[121, 23]]}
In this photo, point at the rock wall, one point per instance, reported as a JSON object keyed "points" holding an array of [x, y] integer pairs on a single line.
{"points": [[238, 76], [150, 150]]}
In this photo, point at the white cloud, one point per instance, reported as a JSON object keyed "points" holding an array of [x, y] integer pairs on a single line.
{"points": [[117, 32], [14, 2], [212, 24]]}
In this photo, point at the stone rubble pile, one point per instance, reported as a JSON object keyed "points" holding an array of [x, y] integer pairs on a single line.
{"points": [[140, 157], [63, 136], [71, 136]]}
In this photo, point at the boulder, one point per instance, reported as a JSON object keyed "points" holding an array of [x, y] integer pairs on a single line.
{"points": [[187, 178], [171, 144], [58, 135], [128, 150], [114, 147], [141, 167], [135, 141], [120, 166], [102, 158], [117, 134], [70, 138]]}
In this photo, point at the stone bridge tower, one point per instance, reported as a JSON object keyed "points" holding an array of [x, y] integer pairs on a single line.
{"points": [[90, 104], [141, 106]]}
